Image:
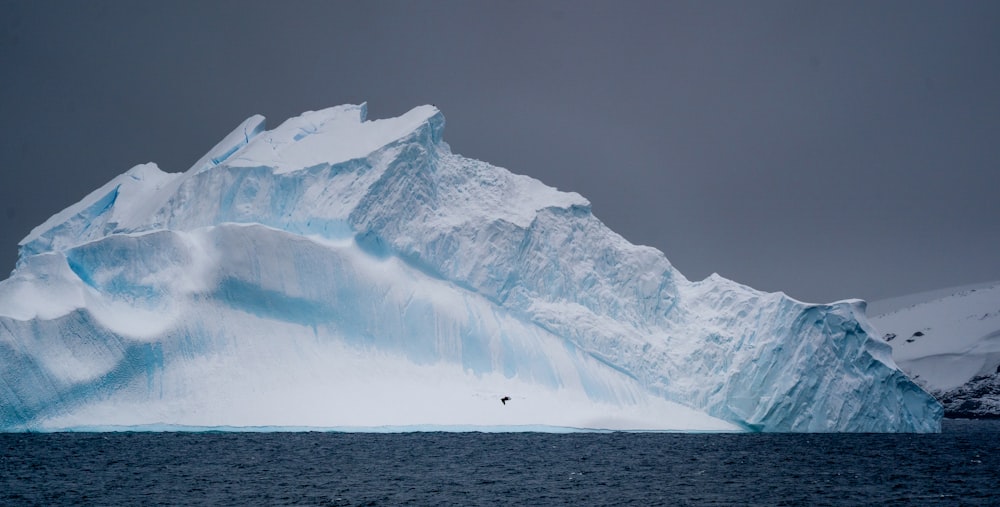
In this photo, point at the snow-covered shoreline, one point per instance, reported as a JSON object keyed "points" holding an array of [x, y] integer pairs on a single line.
{"points": [[948, 341]]}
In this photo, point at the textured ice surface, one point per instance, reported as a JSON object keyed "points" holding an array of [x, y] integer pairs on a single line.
{"points": [[339, 272]]}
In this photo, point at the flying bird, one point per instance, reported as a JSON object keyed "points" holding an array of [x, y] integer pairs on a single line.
{"points": [[505, 399]]}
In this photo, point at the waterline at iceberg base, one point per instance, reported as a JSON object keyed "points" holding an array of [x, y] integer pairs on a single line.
{"points": [[337, 272]]}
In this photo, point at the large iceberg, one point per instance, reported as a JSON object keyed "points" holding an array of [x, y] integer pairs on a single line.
{"points": [[337, 272]]}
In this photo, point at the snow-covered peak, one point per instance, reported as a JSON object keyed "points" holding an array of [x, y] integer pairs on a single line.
{"points": [[946, 341]]}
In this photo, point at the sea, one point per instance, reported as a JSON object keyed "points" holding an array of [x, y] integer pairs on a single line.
{"points": [[959, 466]]}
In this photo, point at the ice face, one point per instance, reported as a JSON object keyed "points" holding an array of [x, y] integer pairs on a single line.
{"points": [[339, 272]]}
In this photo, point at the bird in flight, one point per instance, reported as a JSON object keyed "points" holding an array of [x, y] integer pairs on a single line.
{"points": [[505, 399]]}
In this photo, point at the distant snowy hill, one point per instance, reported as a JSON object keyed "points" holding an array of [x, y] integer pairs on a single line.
{"points": [[337, 272], [949, 342]]}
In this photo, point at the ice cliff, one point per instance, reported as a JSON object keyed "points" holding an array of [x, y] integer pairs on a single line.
{"points": [[340, 272]]}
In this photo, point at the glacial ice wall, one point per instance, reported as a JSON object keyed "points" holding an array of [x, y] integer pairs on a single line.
{"points": [[335, 237]]}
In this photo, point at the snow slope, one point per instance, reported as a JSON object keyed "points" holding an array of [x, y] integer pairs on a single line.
{"points": [[340, 272], [950, 344]]}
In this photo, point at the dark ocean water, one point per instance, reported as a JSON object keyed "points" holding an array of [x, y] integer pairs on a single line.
{"points": [[960, 466]]}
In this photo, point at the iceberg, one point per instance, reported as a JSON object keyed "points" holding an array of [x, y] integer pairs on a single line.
{"points": [[340, 272]]}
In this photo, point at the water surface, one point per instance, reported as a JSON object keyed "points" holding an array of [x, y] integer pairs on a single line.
{"points": [[957, 467]]}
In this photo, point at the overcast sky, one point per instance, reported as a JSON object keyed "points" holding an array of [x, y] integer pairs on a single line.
{"points": [[826, 149]]}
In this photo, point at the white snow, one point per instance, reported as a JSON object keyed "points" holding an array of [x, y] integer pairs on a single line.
{"points": [[329, 136], [893, 304], [237, 139], [945, 338]]}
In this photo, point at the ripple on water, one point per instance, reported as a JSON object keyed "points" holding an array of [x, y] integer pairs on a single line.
{"points": [[959, 466]]}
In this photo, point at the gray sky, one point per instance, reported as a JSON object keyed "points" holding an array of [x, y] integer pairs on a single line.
{"points": [[827, 149]]}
